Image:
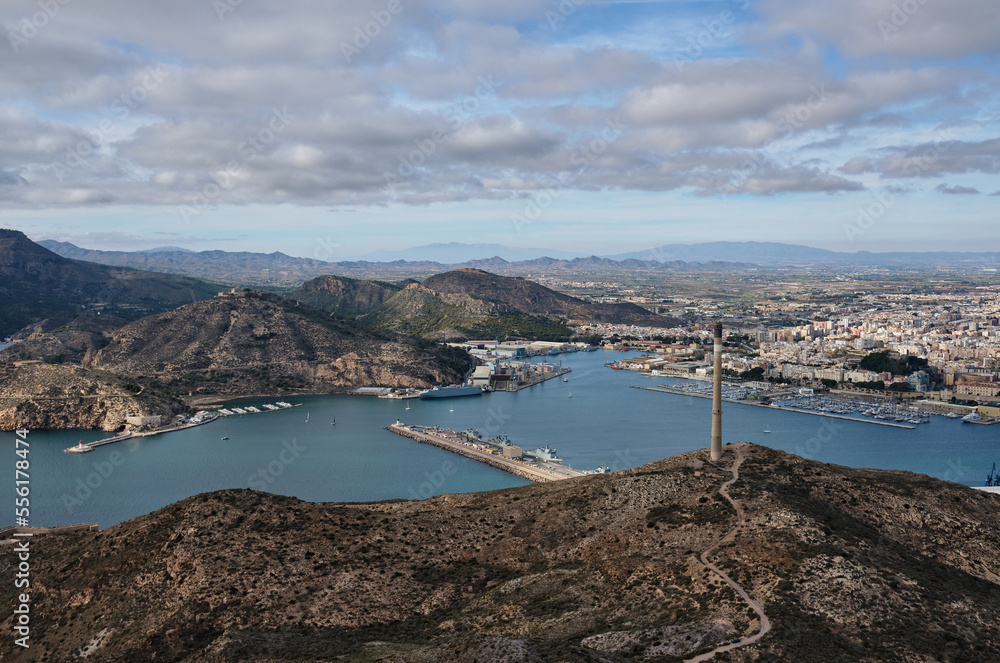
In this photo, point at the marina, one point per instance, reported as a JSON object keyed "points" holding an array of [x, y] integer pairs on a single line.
{"points": [[787, 405], [199, 419]]}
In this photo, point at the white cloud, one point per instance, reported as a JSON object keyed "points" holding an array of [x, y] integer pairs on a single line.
{"points": [[904, 29], [466, 100]]}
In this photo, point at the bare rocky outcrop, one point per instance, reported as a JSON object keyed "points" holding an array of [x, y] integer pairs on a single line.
{"points": [[343, 296], [73, 339], [252, 342], [37, 396], [529, 297], [467, 303]]}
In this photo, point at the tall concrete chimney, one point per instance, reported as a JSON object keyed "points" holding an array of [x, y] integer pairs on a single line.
{"points": [[717, 394]]}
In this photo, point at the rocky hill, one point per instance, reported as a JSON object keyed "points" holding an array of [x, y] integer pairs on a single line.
{"points": [[39, 396], [849, 566], [64, 338], [255, 342], [418, 311], [466, 303], [342, 296], [529, 297], [36, 284]]}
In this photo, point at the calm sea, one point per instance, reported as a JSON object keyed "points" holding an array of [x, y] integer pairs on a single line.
{"points": [[595, 418]]}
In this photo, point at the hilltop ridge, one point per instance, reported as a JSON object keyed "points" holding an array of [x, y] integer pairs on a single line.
{"points": [[873, 565], [253, 342], [530, 297], [36, 284], [467, 303]]}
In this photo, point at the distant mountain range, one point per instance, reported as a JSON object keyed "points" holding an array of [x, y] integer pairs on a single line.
{"points": [[36, 284], [775, 254], [281, 270], [167, 249], [278, 269], [454, 253], [763, 254], [233, 267]]}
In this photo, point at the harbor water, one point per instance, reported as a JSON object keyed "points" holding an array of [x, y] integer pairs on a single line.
{"points": [[336, 448]]}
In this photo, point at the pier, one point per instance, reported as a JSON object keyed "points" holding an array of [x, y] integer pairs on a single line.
{"points": [[678, 392], [539, 473], [8, 534], [530, 375], [197, 421], [559, 372]]}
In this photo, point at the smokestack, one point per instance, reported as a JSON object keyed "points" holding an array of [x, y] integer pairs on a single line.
{"points": [[717, 394]]}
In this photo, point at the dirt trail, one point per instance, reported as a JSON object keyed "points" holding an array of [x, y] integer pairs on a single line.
{"points": [[765, 623]]}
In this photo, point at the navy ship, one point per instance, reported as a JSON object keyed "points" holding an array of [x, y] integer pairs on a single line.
{"points": [[501, 441], [545, 453], [451, 392]]}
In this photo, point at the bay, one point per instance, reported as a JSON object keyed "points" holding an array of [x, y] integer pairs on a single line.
{"points": [[592, 419]]}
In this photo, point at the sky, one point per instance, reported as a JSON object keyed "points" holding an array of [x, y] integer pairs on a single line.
{"points": [[332, 129]]}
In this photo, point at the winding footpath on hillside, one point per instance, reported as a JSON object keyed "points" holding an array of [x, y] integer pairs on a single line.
{"points": [[765, 623]]}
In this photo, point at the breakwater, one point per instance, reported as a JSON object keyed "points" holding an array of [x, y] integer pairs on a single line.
{"points": [[205, 418], [515, 467], [7, 533]]}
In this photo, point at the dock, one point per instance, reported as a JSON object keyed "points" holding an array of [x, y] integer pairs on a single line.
{"points": [[10, 535], [128, 435], [536, 379], [678, 392], [537, 472], [781, 409]]}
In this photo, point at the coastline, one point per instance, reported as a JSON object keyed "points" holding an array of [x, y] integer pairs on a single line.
{"points": [[128, 435]]}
